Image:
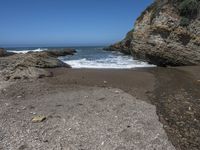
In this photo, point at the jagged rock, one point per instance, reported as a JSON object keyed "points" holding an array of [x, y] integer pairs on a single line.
{"points": [[26, 73], [29, 65], [118, 47], [63, 52], [4, 53], [56, 53], [161, 37], [39, 60]]}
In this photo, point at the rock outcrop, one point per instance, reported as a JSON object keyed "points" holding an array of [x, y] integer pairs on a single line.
{"points": [[166, 34], [4, 53], [58, 53], [32, 64]]}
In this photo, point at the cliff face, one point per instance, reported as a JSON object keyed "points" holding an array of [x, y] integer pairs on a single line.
{"points": [[166, 33]]}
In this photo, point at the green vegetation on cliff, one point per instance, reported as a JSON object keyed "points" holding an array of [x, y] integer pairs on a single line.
{"points": [[188, 10]]}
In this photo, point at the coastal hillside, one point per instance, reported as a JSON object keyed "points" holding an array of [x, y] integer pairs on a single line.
{"points": [[166, 33]]}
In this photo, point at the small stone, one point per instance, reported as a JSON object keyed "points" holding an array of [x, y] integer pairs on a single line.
{"points": [[105, 82], [19, 96], [117, 92], [34, 113], [45, 141], [189, 113], [37, 119]]}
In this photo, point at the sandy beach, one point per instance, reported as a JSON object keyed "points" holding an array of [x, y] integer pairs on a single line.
{"points": [[149, 108], [100, 75]]}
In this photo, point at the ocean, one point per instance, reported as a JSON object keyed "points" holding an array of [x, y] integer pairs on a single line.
{"points": [[93, 57]]}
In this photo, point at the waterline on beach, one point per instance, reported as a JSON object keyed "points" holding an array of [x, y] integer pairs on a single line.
{"points": [[94, 57]]}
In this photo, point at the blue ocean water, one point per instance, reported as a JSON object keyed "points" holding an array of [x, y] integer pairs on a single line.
{"points": [[93, 57]]}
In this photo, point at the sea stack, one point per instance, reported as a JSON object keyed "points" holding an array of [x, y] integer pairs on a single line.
{"points": [[166, 34]]}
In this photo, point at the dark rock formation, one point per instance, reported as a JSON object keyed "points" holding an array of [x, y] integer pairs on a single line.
{"points": [[30, 65], [4, 53], [166, 33], [119, 47], [39, 60], [58, 53]]}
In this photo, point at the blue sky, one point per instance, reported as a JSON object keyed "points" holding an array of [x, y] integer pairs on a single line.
{"points": [[67, 22]]}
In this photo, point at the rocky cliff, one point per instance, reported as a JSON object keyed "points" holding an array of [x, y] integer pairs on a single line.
{"points": [[166, 33]]}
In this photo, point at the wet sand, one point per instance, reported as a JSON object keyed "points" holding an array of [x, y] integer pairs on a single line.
{"points": [[174, 92]]}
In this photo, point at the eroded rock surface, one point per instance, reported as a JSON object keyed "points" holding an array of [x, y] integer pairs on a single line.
{"points": [[32, 64], [4, 53], [163, 36]]}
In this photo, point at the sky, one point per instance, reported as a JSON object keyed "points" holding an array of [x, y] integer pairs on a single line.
{"points": [[67, 22]]}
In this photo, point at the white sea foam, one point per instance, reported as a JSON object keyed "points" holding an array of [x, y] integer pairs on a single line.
{"points": [[26, 51], [119, 62], [111, 60]]}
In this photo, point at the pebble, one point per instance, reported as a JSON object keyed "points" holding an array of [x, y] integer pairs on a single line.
{"points": [[34, 113], [37, 119], [19, 96], [117, 92], [45, 141]]}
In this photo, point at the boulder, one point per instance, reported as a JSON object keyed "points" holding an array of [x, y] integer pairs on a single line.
{"points": [[39, 60], [21, 73], [29, 65], [4, 53]]}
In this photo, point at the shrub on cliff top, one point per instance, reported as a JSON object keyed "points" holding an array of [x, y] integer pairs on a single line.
{"points": [[189, 8], [184, 21]]}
